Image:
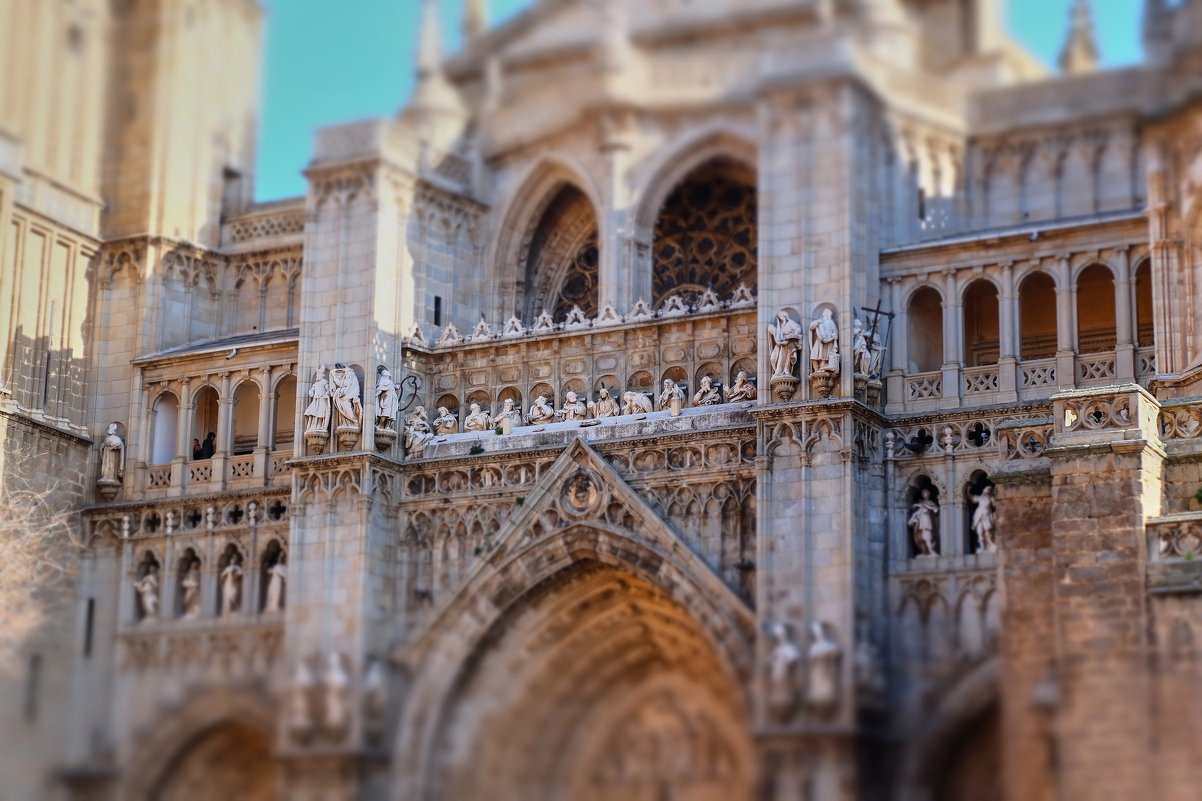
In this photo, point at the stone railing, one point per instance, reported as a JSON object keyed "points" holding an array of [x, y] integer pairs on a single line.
{"points": [[200, 471], [924, 386], [1145, 362], [1036, 376], [1095, 368], [267, 224], [158, 477], [241, 467], [980, 380], [212, 648], [1175, 537], [1181, 420]]}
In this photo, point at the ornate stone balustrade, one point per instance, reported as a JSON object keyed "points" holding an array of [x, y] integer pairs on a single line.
{"points": [[923, 387], [1174, 545], [1037, 378], [269, 225], [241, 467], [1095, 368], [216, 649], [158, 478], [979, 380], [1085, 416], [1145, 362], [1181, 420]]}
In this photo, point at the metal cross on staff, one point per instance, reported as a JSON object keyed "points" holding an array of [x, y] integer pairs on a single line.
{"points": [[875, 315]]}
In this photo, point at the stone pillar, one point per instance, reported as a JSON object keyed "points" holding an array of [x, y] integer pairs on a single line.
{"points": [[1106, 482], [900, 356], [953, 324], [183, 437], [225, 418], [617, 281], [1124, 351], [1007, 363], [266, 405], [1066, 361]]}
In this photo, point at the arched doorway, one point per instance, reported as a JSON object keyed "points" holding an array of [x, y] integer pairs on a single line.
{"points": [[597, 686], [227, 762]]}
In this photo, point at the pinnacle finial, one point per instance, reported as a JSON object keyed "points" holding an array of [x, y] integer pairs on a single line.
{"points": [[475, 19], [1080, 53]]}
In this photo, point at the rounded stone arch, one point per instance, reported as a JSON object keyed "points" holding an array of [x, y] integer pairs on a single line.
{"points": [[503, 607], [524, 209], [158, 752], [958, 740]]}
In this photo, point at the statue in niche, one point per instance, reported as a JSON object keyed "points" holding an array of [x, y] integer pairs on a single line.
{"points": [[822, 690], [743, 389], [112, 460], [337, 685], [477, 420], [573, 408], [277, 579], [605, 405], [147, 588], [824, 343], [509, 417], [301, 701], [344, 395], [513, 328], [447, 422], [231, 586], [984, 520], [636, 403], [317, 413], [924, 516], [785, 334], [708, 394], [191, 587], [540, 412], [417, 432], [861, 354], [784, 658], [877, 350], [387, 399], [671, 399]]}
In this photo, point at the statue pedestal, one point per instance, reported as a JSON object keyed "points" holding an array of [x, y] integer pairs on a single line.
{"points": [[784, 387], [873, 393], [860, 387], [822, 383], [107, 488], [385, 437], [316, 441], [348, 437]]}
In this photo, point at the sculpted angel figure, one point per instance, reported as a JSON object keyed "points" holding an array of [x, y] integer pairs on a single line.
{"points": [[707, 394], [922, 523], [477, 420], [605, 405], [147, 588], [824, 343], [540, 411], [984, 520], [112, 455], [317, 413], [573, 408], [447, 422], [417, 432], [636, 403], [785, 338], [671, 392], [231, 587], [741, 390], [344, 394], [387, 400]]}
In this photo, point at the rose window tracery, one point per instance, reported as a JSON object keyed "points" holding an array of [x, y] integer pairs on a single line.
{"points": [[706, 235]]}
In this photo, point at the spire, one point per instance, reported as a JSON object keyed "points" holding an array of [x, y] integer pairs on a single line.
{"points": [[1157, 28], [1080, 53], [431, 91], [475, 19]]}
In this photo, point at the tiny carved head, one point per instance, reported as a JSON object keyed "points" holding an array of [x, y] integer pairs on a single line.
{"points": [[571, 397], [475, 408], [443, 412]]}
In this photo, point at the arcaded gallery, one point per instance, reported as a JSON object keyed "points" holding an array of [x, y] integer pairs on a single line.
{"points": [[674, 400]]}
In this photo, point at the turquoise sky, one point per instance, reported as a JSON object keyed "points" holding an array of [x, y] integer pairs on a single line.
{"points": [[331, 61]]}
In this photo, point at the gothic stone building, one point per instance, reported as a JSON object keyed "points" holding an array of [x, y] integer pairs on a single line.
{"points": [[944, 552]]}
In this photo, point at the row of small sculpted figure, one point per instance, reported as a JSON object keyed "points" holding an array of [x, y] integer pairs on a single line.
{"points": [[420, 430], [785, 336], [576, 320], [147, 588]]}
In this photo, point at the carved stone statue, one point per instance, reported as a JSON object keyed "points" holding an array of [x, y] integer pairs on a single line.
{"points": [[509, 417], [417, 433], [477, 420], [707, 394], [317, 413], [822, 690], [924, 521], [375, 696], [861, 355], [741, 390], [387, 400], [784, 658], [191, 587], [573, 408], [824, 343], [231, 587], [636, 403], [605, 406], [447, 422], [301, 700], [869, 673], [344, 395], [147, 588], [540, 411], [277, 579], [337, 685], [672, 398], [877, 353], [112, 459], [984, 520], [785, 337]]}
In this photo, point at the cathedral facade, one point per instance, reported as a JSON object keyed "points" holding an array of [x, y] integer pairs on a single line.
{"points": [[741, 400]]}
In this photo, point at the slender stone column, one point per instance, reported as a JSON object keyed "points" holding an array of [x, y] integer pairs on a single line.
{"points": [[1124, 351], [1007, 379], [266, 404], [953, 324], [895, 390], [183, 433], [1066, 362]]}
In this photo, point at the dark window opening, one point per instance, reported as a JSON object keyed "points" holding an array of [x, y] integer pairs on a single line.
{"points": [[437, 310], [33, 684], [88, 623]]}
